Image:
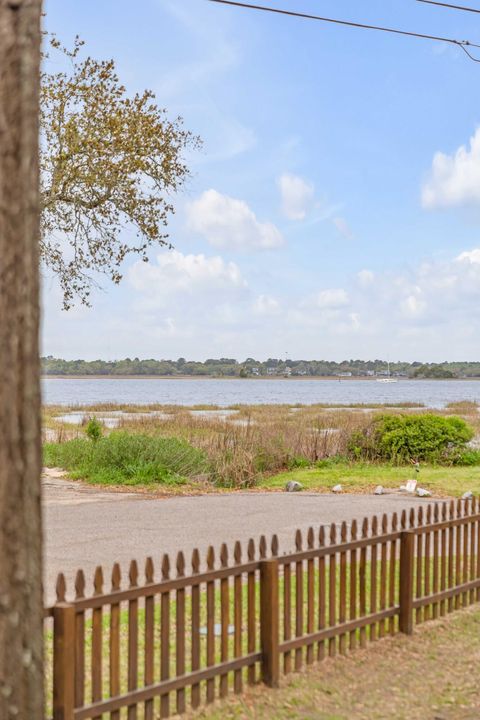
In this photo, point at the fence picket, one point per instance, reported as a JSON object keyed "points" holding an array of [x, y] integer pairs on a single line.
{"points": [[180, 633], [310, 594], [196, 627], [342, 605], [149, 636], [383, 576], [373, 579], [251, 612], [210, 624], [419, 567], [465, 563], [473, 534], [332, 590], [298, 600], [97, 637], [444, 559], [63, 654], [436, 559], [114, 672], [393, 572], [165, 638], [451, 549], [427, 564], [237, 617], [225, 617], [458, 553], [79, 642], [322, 596], [363, 583], [133, 639], [353, 584]]}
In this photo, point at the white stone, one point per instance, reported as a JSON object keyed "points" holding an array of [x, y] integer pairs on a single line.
{"points": [[337, 489], [421, 492], [379, 490], [467, 495]]}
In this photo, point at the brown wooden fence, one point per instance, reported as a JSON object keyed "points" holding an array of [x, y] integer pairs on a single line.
{"points": [[151, 648]]}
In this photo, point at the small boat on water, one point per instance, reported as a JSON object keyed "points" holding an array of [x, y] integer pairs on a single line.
{"points": [[387, 379]]}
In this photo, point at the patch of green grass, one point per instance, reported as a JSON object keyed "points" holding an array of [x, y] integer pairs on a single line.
{"points": [[127, 459], [364, 477]]}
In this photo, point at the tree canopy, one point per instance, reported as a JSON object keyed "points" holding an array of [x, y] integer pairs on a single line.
{"points": [[110, 164]]}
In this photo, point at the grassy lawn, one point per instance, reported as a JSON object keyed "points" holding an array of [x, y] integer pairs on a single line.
{"points": [[398, 678], [363, 478]]}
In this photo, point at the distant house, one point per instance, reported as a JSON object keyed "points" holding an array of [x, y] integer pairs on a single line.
{"points": [[255, 371], [272, 371], [344, 374]]}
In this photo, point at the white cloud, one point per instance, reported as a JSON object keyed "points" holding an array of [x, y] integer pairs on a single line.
{"points": [[470, 256], [174, 272], [266, 305], [226, 222], [454, 179], [412, 305], [198, 305], [331, 299], [297, 196], [365, 278]]}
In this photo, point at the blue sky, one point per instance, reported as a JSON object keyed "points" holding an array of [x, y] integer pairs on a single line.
{"points": [[332, 211]]}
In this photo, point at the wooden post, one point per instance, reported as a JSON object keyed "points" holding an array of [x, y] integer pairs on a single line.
{"points": [[63, 661], [407, 546], [269, 629]]}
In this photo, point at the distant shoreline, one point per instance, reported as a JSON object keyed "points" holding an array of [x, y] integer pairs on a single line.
{"points": [[227, 378]]}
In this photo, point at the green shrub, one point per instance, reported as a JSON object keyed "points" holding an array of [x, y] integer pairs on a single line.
{"points": [[467, 457], [93, 429], [401, 438], [127, 459]]}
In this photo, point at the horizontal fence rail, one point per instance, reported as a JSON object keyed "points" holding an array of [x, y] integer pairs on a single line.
{"points": [[152, 647]]}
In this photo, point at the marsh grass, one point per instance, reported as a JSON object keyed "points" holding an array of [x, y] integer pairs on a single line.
{"points": [[251, 443]]}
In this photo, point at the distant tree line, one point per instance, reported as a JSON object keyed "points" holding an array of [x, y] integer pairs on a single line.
{"points": [[229, 367]]}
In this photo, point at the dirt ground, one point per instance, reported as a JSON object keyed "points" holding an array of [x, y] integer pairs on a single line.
{"points": [[434, 675]]}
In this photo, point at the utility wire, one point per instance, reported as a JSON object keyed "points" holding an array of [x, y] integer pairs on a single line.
{"points": [[452, 7], [463, 44]]}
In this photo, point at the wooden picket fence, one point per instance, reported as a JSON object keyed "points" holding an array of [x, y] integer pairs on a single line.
{"points": [[158, 647]]}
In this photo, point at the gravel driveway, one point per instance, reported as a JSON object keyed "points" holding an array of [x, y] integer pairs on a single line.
{"points": [[86, 527]]}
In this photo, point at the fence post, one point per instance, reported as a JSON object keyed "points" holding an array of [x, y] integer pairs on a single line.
{"points": [[63, 661], [269, 622], [407, 549]]}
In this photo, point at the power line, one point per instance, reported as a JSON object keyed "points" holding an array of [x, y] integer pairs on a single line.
{"points": [[452, 7], [463, 44]]}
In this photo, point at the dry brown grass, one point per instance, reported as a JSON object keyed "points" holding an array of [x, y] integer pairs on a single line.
{"points": [[245, 442]]}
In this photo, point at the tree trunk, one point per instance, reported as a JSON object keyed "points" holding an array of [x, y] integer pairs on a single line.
{"points": [[21, 675]]}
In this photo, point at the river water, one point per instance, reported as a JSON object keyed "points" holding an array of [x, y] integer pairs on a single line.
{"points": [[89, 391]]}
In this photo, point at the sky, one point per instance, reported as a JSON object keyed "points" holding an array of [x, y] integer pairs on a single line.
{"points": [[333, 211]]}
